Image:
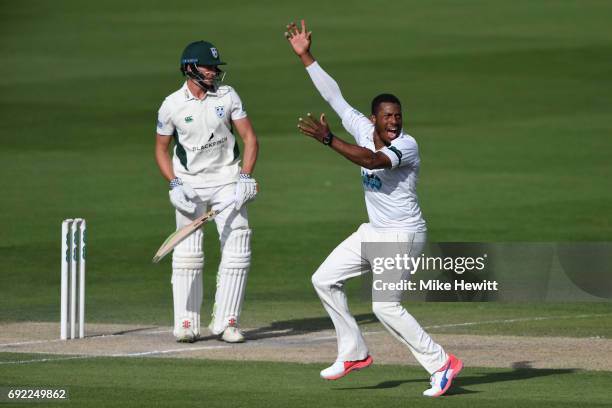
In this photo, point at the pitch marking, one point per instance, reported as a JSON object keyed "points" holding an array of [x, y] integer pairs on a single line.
{"points": [[138, 354]]}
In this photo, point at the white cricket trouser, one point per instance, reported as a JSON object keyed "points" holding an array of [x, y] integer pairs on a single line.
{"points": [[346, 262], [188, 261]]}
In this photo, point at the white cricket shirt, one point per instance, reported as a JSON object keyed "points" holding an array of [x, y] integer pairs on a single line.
{"points": [[390, 194], [206, 153]]}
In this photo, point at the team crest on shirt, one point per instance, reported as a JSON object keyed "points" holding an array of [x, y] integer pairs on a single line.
{"points": [[188, 119], [371, 181], [220, 111]]}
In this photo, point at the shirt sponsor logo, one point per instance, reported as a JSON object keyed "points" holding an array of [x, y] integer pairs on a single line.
{"points": [[371, 181], [209, 145], [220, 111], [160, 124]]}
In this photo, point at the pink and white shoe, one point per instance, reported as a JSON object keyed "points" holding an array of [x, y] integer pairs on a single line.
{"points": [[341, 368], [442, 379]]}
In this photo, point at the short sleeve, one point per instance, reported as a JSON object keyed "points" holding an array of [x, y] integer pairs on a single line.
{"points": [[357, 125], [165, 126], [403, 151], [237, 109]]}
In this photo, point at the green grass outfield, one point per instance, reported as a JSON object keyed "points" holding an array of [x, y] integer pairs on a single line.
{"points": [[509, 102], [176, 382]]}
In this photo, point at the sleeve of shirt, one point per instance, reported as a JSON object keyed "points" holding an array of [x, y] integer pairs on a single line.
{"points": [[352, 120], [165, 126], [357, 125], [402, 152], [237, 108]]}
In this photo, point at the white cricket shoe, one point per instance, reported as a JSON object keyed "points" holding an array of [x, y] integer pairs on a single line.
{"points": [[186, 334], [442, 379], [341, 368], [232, 333]]}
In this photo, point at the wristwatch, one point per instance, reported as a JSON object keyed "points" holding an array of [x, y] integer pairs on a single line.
{"points": [[327, 140]]}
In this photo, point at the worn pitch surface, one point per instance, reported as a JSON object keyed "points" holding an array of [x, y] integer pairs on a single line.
{"points": [[306, 347]]}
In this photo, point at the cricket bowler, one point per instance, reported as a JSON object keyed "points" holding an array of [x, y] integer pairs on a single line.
{"points": [[389, 162], [205, 172]]}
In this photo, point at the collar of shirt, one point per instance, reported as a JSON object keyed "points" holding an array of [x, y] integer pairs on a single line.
{"points": [[400, 136], [374, 149], [189, 96]]}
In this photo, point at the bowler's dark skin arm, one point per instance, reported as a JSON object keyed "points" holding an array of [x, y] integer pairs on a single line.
{"points": [[361, 156]]}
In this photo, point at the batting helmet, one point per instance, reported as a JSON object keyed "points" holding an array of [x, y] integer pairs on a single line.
{"points": [[200, 53]]}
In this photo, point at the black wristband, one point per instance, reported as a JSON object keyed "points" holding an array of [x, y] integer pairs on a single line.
{"points": [[327, 140]]}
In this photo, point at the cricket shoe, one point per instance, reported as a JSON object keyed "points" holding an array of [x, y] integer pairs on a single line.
{"points": [[232, 333], [185, 333], [442, 379], [341, 368], [186, 338]]}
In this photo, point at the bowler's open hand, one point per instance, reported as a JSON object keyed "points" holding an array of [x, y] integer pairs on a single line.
{"points": [[299, 39], [310, 127]]}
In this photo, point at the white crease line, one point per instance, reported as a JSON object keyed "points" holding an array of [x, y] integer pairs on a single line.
{"points": [[177, 350], [520, 319], [290, 340], [505, 321], [93, 336], [24, 343], [137, 354]]}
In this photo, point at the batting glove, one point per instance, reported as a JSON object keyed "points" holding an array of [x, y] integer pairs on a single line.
{"points": [[246, 190], [181, 196]]}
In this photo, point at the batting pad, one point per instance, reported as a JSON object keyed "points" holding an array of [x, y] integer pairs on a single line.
{"points": [[187, 265], [189, 254], [187, 295], [231, 279]]}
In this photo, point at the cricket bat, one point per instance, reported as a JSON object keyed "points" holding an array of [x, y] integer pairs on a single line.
{"points": [[180, 235]]}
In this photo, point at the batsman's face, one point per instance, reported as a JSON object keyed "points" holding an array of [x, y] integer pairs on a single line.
{"points": [[387, 121], [209, 72]]}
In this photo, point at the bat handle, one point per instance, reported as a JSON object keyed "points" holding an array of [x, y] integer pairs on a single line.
{"points": [[211, 214]]}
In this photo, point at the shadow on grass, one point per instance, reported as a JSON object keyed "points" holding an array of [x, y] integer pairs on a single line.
{"points": [[519, 373]]}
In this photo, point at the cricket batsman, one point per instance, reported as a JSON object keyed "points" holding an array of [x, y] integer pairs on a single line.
{"points": [[205, 172], [389, 162]]}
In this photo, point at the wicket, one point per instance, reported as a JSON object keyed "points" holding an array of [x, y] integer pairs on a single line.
{"points": [[73, 257]]}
